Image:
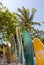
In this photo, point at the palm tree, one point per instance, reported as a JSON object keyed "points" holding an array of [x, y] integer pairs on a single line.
{"points": [[25, 18]]}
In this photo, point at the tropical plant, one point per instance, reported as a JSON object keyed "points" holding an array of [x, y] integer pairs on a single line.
{"points": [[7, 21], [26, 17]]}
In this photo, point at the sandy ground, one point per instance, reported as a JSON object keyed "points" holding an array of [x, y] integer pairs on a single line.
{"points": [[1, 63], [12, 63]]}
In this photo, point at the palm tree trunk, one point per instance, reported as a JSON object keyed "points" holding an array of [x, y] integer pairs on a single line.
{"points": [[8, 53], [4, 53]]}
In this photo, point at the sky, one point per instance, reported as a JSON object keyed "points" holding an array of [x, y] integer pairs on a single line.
{"points": [[13, 5]]}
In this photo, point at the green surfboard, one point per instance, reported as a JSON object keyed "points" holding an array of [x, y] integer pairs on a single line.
{"points": [[28, 48]]}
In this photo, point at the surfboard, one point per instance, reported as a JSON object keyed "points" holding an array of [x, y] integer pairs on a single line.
{"points": [[39, 51], [28, 48], [13, 49], [19, 44]]}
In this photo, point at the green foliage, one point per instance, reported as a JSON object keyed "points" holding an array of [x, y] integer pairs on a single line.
{"points": [[1, 50], [26, 17], [7, 20]]}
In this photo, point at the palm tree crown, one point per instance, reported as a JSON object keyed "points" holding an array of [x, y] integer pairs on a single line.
{"points": [[26, 18]]}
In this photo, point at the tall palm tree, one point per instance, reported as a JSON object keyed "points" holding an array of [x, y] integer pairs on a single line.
{"points": [[26, 18]]}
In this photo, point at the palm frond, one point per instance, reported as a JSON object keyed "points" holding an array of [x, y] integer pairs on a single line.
{"points": [[26, 13], [32, 14], [35, 23], [20, 17], [20, 11]]}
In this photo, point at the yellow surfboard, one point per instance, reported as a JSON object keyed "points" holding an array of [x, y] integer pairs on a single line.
{"points": [[39, 51]]}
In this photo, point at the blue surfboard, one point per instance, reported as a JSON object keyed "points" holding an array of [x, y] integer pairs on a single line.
{"points": [[28, 48], [19, 44]]}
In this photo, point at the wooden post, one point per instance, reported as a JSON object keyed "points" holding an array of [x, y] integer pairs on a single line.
{"points": [[13, 49]]}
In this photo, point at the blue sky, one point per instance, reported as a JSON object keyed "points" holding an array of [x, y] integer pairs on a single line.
{"points": [[13, 5]]}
